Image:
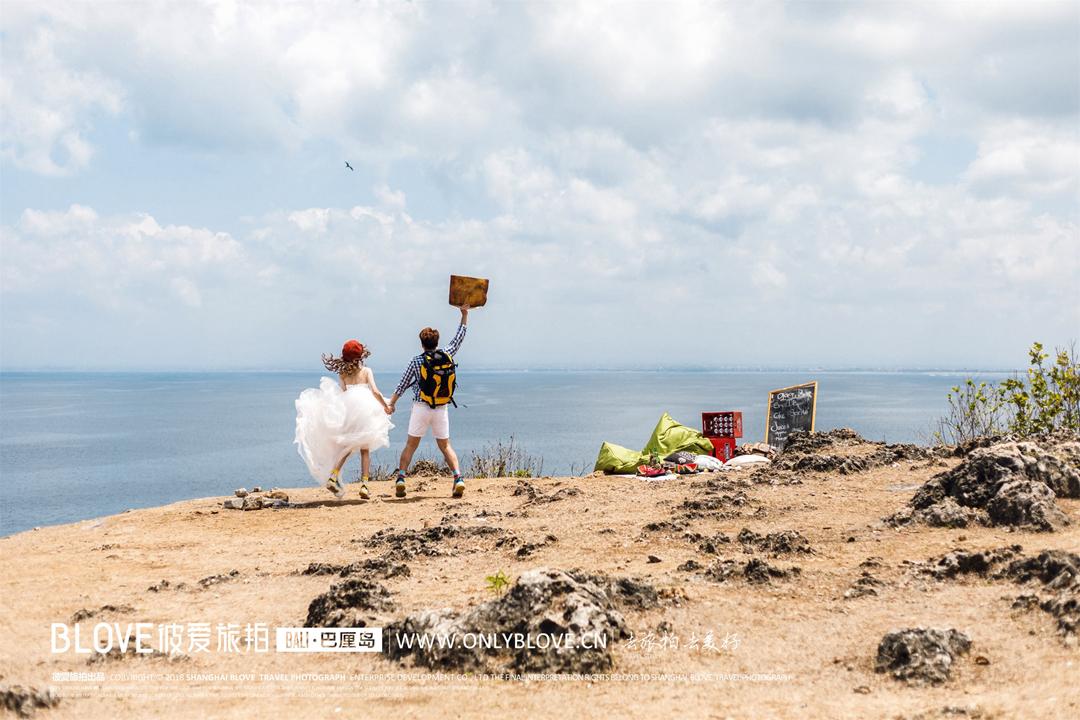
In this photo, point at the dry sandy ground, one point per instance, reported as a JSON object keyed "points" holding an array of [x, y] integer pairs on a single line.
{"points": [[802, 627]]}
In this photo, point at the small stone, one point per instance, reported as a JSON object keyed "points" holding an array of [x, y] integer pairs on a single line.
{"points": [[256, 489], [240, 492], [236, 503], [863, 690], [865, 585], [654, 559], [982, 660]]}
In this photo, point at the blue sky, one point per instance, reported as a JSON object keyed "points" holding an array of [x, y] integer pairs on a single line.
{"points": [[766, 184]]}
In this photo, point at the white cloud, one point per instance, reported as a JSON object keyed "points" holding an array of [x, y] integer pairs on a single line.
{"points": [[47, 106], [598, 265], [613, 160], [1035, 159], [113, 261], [432, 79]]}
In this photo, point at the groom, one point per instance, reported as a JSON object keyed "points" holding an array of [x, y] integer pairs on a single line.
{"points": [[431, 375]]}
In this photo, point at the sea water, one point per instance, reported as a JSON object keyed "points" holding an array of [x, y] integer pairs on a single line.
{"points": [[77, 446]]}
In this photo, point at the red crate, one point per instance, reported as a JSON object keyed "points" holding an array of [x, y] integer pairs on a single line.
{"points": [[721, 424], [723, 447]]}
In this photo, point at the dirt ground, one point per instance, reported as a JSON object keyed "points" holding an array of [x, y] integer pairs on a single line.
{"points": [[811, 650]]}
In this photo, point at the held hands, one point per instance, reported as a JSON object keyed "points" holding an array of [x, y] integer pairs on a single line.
{"points": [[389, 408]]}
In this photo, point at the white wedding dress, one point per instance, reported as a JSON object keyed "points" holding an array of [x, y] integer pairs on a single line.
{"points": [[331, 422]]}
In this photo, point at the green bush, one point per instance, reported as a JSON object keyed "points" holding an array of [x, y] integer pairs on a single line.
{"points": [[1050, 397], [1046, 398]]}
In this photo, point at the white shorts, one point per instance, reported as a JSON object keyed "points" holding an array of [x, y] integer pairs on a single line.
{"points": [[424, 416]]}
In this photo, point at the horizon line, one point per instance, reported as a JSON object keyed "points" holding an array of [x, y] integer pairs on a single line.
{"points": [[538, 369]]}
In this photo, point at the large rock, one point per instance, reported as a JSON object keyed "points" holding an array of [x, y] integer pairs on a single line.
{"points": [[1059, 573], [801, 441], [567, 622], [921, 655], [1008, 483], [977, 479], [813, 451], [1024, 502], [352, 603], [948, 513], [965, 562], [1056, 571]]}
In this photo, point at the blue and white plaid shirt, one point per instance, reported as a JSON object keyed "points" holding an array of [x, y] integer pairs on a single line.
{"points": [[412, 373]]}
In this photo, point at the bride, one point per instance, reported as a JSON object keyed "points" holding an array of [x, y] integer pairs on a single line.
{"points": [[335, 420]]}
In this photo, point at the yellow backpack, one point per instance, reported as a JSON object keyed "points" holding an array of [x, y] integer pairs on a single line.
{"points": [[438, 378]]}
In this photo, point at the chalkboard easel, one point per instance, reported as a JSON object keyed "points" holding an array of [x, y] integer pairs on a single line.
{"points": [[791, 408]]}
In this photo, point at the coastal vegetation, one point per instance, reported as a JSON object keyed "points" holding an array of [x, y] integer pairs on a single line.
{"points": [[505, 459], [1044, 399]]}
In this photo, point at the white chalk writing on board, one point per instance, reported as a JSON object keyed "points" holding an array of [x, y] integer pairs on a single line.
{"points": [[790, 409]]}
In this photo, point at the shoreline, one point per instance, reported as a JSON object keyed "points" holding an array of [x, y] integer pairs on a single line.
{"points": [[187, 436]]}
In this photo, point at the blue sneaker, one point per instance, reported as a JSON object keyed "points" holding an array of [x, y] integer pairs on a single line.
{"points": [[459, 486], [399, 485]]}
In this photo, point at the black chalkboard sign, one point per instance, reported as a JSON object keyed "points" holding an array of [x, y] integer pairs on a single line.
{"points": [[790, 408]]}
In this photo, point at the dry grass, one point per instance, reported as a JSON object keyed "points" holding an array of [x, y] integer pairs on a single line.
{"points": [[505, 459]]}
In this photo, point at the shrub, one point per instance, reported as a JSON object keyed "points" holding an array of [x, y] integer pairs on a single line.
{"points": [[505, 460], [1049, 399], [422, 465], [1046, 398], [974, 411]]}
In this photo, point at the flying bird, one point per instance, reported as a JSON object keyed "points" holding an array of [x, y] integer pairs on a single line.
{"points": [[348, 165]]}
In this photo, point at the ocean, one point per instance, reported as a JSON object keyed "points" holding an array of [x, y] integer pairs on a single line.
{"points": [[77, 446]]}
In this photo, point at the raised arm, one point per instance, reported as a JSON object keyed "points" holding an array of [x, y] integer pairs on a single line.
{"points": [[459, 336]]}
